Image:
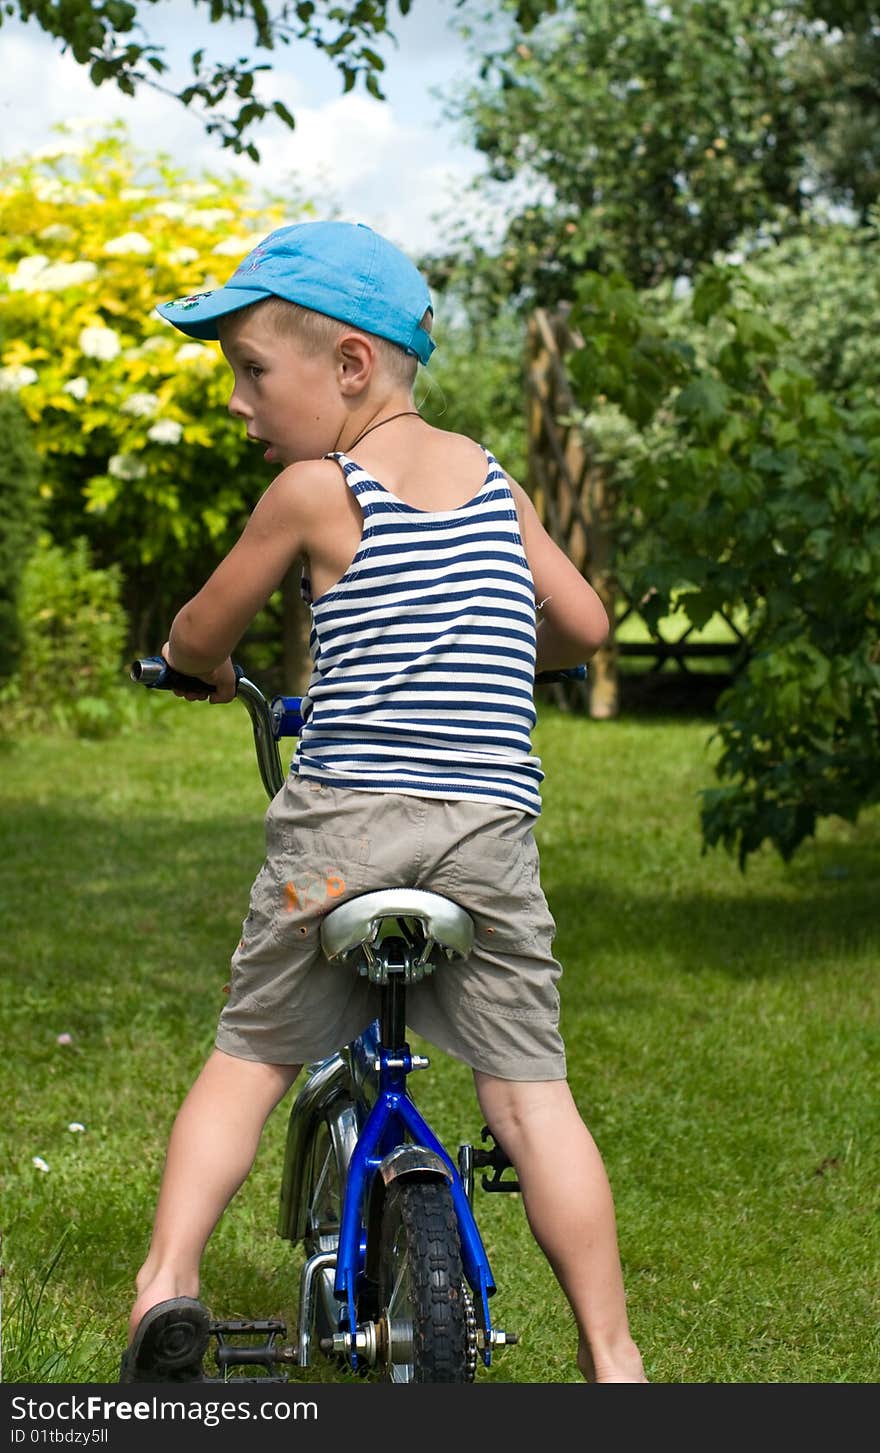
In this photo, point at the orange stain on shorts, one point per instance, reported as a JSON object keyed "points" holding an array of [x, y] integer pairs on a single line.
{"points": [[313, 890]]}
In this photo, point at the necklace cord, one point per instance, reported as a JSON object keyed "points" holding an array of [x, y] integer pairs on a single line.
{"points": [[404, 414]]}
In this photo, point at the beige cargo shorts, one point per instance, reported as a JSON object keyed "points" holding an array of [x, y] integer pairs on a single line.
{"points": [[498, 1011]]}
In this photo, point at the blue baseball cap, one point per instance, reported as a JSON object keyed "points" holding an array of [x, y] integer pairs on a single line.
{"points": [[343, 269]]}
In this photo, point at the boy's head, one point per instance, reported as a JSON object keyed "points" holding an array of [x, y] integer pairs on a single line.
{"points": [[342, 270]]}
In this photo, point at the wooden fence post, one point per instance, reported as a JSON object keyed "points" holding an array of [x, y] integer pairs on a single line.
{"points": [[573, 495]]}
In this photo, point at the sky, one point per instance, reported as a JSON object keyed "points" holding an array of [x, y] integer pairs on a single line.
{"points": [[397, 165]]}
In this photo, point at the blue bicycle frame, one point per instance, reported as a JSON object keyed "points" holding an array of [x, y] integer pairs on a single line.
{"points": [[393, 1119]]}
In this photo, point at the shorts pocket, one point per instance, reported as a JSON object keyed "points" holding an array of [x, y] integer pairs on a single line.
{"points": [[497, 879], [311, 873]]}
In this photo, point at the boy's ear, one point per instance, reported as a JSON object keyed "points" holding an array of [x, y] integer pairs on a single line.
{"points": [[355, 361]]}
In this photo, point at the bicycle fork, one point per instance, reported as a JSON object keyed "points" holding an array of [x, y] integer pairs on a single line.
{"points": [[392, 1117]]}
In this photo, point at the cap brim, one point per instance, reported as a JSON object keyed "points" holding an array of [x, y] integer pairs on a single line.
{"points": [[198, 317]]}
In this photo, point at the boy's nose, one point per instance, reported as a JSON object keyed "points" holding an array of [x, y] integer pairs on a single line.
{"points": [[237, 408]]}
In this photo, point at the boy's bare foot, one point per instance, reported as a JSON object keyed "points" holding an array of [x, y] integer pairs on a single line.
{"points": [[624, 1365]]}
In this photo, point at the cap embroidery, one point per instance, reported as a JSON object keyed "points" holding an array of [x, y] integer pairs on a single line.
{"points": [[191, 301], [252, 261]]}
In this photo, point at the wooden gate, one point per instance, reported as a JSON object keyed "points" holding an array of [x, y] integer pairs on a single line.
{"points": [[576, 500]]}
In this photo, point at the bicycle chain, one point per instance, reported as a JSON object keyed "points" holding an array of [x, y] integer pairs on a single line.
{"points": [[470, 1323]]}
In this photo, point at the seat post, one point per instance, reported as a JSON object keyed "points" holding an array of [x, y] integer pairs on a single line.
{"points": [[392, 1012]]}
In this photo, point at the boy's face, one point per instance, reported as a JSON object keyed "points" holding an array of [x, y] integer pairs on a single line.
{"points": [[286, 397]]}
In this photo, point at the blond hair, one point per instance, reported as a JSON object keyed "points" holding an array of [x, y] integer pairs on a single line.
{"points": [[316, 332]]}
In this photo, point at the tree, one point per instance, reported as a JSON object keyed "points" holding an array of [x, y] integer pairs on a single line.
{"points": [[757, 492], [842, 73], [110, 38], [648, 138]]}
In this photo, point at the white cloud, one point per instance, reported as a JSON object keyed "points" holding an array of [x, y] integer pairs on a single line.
{"points": [[395, 166]]}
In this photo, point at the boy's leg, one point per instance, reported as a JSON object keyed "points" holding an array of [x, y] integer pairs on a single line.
{"points": [[210, 1152], [570, 1210]]}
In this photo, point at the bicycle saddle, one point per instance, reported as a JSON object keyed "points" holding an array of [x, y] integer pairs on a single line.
{"points": [[434, 927]]}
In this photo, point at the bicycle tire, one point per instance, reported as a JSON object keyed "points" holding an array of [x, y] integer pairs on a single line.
{"points": [[327, 1159], [422, 1296]]}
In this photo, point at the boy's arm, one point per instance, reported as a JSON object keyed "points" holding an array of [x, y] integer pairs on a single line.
{"points": [[573, 621], [207, 629]]}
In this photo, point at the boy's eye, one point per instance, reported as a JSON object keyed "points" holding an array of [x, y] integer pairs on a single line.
{"points": [[255, 370]]}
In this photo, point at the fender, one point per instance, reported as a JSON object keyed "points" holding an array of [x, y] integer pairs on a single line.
{"points": [[414, 1161], [327, 1095]]}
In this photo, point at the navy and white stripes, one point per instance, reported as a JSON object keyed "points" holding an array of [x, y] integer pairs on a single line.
{"points": [[424, 653]]}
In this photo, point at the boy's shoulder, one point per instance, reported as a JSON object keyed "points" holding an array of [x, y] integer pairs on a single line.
{"points": [[301, 482]]}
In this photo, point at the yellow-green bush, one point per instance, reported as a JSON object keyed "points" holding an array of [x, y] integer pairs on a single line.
{"points": [[139, 456]]}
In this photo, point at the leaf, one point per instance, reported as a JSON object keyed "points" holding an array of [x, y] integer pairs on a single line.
{"points": [[711, 295], [704, 400], [281, 111]]}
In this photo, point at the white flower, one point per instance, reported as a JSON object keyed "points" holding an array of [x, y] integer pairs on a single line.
{"points": [[197, 189], [99, 342], [49, 189], [128, 243], [77, 388], [182, 255], [39, 1162], [13, 377], [28, 269], [56, 232], [142, 406], [174, 210], [191, 352], [236, 246], [64, 146], [126, 466], [76, 1127], [210, 216], [166, 431], [64, 1038], [37, 274], [61, 275]]}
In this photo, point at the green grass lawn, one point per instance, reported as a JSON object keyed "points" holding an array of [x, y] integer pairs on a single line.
{"points": [[721, 1030]]}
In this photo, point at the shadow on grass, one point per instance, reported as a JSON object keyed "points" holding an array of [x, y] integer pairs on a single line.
{"points": [[753, 934], [755, 937]]}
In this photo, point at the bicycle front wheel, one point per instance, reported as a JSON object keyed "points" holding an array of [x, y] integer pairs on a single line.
{"points": [[423, 1301]]}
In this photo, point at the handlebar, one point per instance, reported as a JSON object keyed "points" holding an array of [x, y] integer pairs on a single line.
{"points": [[271, 720]]}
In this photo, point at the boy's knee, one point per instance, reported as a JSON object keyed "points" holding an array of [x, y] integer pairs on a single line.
{"points": [[517, 1109]]}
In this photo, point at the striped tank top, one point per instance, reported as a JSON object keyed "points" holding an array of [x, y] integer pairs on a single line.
{"points": [[424, 653]]}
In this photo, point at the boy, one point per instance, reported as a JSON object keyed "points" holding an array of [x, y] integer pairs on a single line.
{"points": [[422, 563]]}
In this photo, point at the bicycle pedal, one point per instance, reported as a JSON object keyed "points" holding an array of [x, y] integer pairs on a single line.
{"points": [[496, 1158], [262, 1354]]}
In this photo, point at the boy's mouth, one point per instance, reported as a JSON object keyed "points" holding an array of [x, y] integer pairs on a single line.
{"points": [[269, 454]]}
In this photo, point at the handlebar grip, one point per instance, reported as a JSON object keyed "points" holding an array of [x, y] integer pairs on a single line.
{"points": [[154, 672], [286, 713], [566, 673]]}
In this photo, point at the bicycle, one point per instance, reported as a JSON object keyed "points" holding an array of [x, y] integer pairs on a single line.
{"points": [[396, 1278]]}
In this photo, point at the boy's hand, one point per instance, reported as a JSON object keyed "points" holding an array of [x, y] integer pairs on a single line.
{"points": [[223, 678]]}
